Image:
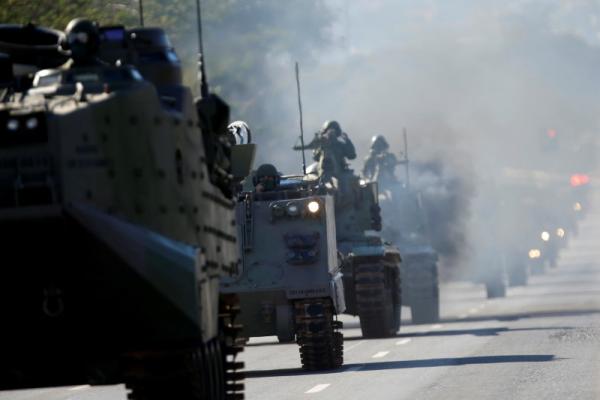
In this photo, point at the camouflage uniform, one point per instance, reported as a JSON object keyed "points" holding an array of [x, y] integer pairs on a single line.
{"points": [[331, 147]]}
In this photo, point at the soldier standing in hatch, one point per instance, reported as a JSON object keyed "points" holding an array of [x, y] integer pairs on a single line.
{"points": [[380, 163], [266, 178], [331, 147]]}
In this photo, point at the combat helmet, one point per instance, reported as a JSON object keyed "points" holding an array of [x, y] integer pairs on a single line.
{"points": [[82, 39], [332, 125], [379, 144]]}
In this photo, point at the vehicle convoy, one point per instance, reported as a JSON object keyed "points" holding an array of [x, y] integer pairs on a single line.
{"points": [[290, 283], [116, 218], [371, 266], [405, 225]]}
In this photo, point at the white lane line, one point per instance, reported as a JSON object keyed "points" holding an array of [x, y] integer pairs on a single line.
{"points": [[473, 310], [347, 348], [76, 388], [436, 326], [463, 316], [380, 354], [355, 368], [403, 341], [318, 388]]}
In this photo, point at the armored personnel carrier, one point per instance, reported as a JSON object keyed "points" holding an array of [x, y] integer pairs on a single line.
{"points": [[371, 267], [290, 284], [116, 217], [405, 225]]}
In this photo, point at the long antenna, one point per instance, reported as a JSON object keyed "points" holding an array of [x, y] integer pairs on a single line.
{"points": [[406, 167], [141, 13], [301, 125], [201, 71]]}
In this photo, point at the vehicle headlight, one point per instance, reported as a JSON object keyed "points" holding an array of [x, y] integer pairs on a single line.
{"points": [[535, 253], [12, 125], [362, 182], [293, 210], [31, 123], [560, 232], [577, 207], [545, 236], [313, 206]]}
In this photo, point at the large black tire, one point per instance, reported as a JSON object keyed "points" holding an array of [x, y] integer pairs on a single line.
{"points": [[424, 294], [321, 345], [495, 289], [518, 275], [376, 291], [206, 372]]}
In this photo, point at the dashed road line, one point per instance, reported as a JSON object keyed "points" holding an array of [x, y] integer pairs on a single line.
{"points": [[436, 326], [463, 316], [318, 388], [473, 310], [380, 354], [402, 341]]}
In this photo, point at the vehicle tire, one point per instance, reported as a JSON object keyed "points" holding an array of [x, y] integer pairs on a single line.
{"points": [[375, 292], [321, 345], [495, 289], [425, 299], [517, 275], [208, 371]]}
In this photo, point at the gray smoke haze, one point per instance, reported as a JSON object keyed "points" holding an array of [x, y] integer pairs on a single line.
{"points": [[477, 84]]}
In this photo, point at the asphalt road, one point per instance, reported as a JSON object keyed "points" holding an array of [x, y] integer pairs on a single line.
{"points": [[541, 342]]}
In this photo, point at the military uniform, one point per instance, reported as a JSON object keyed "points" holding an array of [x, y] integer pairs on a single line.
{"points": [[380, 163]]}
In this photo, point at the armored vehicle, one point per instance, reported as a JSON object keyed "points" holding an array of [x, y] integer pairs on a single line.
{"points": [[116, 217], [370, 266], [290, 284], [405, 225]]}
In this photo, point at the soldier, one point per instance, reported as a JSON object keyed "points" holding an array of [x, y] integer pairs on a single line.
{"points": [[82, 39], [266, 178], [380, 163]]}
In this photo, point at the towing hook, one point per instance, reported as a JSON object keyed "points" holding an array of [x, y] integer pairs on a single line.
{"points": [[53, 304]]}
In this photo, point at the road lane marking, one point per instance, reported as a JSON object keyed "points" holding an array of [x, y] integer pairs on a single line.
{"points": [[436, 326], [355, 368], [354, 345], [473, 310], [403, 341], [76, 388], [318, 388], [380, 354], [463, 316]]}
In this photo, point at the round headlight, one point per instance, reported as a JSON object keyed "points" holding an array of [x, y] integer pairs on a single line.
{"points": [[31, 123], [560, 232], [545, 236], [12, 125], [313, 206], [362, 182], [293, 210], [534, 253]]}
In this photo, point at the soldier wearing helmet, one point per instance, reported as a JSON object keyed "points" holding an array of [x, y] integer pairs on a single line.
{"points": [[82, 41], [331, 148], [266, 178], [380, 163]]}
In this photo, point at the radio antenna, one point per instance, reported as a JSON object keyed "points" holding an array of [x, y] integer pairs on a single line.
{"points": [[301, 124], [141, 13], [201, 70]]}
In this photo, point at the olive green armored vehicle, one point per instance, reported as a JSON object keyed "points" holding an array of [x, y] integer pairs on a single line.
{"points": [[371, 266], [116, 217], [290, 283]]}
